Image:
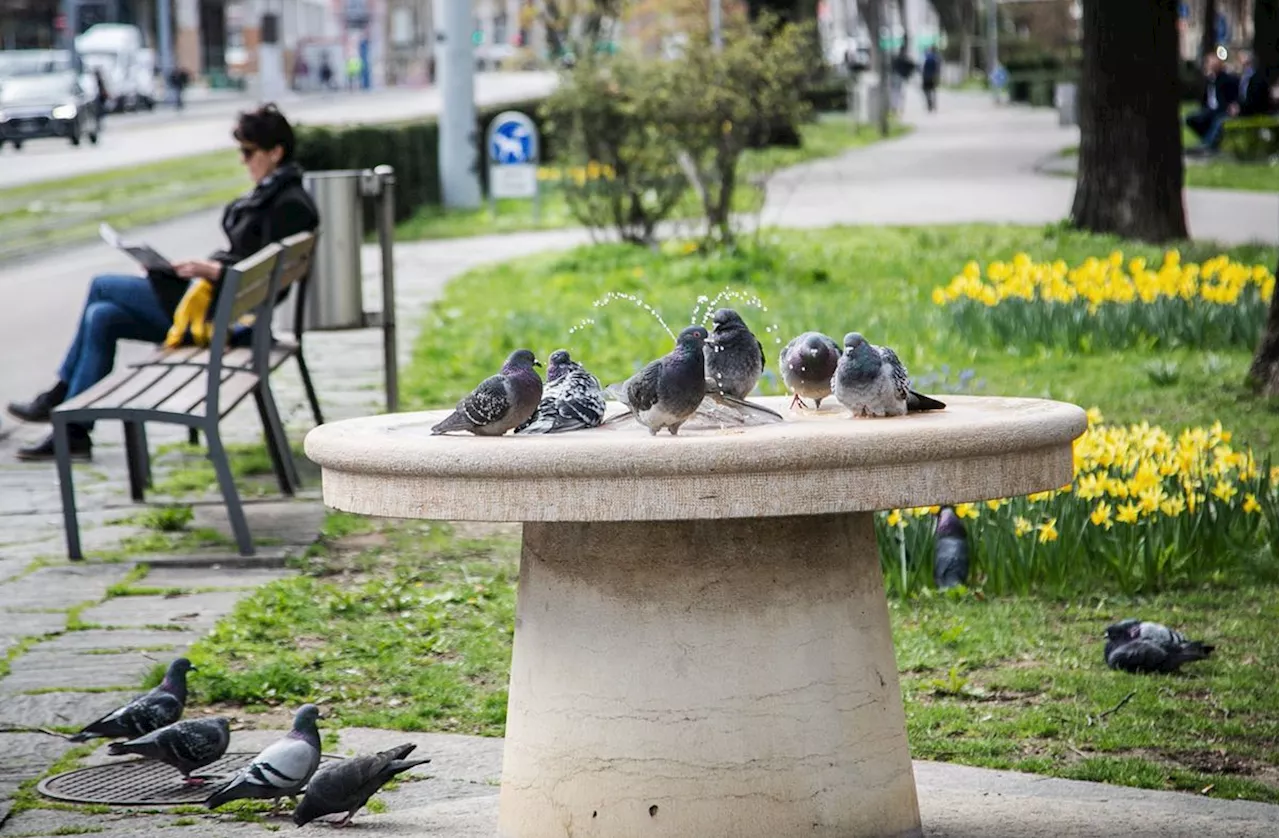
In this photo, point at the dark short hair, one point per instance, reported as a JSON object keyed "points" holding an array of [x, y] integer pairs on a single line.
{"points": [[266, 128]]}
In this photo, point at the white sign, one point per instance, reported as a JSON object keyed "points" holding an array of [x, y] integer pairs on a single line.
{"points": [[512, 144]]}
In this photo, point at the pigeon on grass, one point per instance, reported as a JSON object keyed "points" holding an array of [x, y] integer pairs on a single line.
{"points": [[282, 769], [150, 711], [808, 363], [871, 381], [1143, 647], [734, 361], [186, 745], [501, 402], [667, 392], [571, 401], [950, 550], [347, 785]]}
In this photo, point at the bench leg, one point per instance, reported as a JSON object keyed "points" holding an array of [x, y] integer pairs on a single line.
{"points": [[193, 436], [135, 454], [277, 442], [309, 387], [62, 453], [230, 497]]}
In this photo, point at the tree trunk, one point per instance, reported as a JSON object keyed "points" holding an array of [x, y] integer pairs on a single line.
{"points": [[1129, 180], [1266, 40], [873, 14], [1265, 370], [1209, 27]]}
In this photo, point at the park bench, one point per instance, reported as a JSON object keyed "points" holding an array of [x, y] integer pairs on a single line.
{"points": [[198, 387], [1251, 137]]}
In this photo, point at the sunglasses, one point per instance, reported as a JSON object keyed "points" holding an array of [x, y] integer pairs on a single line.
{"points": [[247, 151]]}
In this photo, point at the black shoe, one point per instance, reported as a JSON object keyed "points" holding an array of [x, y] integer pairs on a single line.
{"points": [[41, 407], [80, 443]]}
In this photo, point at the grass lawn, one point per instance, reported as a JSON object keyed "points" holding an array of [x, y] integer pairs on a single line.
{"points": [[829, 135], [408, 625], [1221, 173], [58, 212]]}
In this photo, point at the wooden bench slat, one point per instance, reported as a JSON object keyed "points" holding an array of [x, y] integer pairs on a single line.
{"points": [[190, 397], [103, 388], [144, 380], [233, 389]]}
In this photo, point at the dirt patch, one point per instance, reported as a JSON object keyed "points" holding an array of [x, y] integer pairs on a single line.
{"points": [[1215, 762]]}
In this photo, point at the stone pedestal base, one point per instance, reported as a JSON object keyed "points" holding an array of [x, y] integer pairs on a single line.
{"points": [[705, 679]]}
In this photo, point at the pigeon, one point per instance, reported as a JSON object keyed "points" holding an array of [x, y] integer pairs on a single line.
{"points": [[347, 785], [281, 769], [186, 745], [151, 711], [1142, 647], [668, 391], [734, 357], [572, 400], [871, 381], [950, 551], [501, 402], [808, 363]]}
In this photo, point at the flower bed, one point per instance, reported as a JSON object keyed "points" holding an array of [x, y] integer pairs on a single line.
{"points": [[1108, 303], [1148, 510]]}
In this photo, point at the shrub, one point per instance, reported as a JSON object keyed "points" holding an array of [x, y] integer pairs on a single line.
{"points": [[411, 148]]}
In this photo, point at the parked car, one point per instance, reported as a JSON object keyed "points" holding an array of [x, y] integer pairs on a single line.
{"points": [[49, 105], [116, 49]]}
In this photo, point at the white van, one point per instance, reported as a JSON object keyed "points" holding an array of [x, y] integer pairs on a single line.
{"points": [[127, 66]]}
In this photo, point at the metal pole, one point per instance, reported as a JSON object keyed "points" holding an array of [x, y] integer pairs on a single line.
{"points": [[164, 34], [717, 39], [459, 167], [993, 50], [69, 9], [386, 236]]}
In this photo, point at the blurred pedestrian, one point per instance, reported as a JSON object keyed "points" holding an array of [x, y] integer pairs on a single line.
{"points": [[929, 78], [326, 73], [179, 78]]}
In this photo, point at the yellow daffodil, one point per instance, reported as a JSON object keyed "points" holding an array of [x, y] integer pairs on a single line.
{"points": [[1101, 515], [1048, 532], [1021, 526], [966, 510], [1173, 506], [1251, 504], [1127, 513], [1224, 491], [993, 505]]}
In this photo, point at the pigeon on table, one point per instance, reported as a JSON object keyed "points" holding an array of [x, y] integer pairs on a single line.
{"points": [[572, 400], [950, 550], [282, 769], [1143, 647], [871, 381], [734, 361], [186, 745], [150, 711], [347, 785], [808, 363], [668, 391], [501, 402]]}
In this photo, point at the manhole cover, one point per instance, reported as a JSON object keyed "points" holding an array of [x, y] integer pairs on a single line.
{"points": [[140, 782]]}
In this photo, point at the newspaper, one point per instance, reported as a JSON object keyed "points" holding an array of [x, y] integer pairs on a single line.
{"points": [[141, 253]]}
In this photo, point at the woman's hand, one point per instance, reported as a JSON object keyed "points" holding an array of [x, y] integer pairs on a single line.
{"points": [[198, 269]]}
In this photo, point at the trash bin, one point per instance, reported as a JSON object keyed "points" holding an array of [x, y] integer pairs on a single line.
{"points": [[335, 295], [1064, 97]]}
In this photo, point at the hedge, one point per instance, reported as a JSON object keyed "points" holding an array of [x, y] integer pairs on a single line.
{"points": [[411, 148]]}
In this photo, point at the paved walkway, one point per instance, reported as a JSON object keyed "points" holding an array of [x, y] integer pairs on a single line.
{"points": [[75, 649]]}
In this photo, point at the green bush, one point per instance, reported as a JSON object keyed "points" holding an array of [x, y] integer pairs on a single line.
{"points": [[411, 148], [1251, 137]]}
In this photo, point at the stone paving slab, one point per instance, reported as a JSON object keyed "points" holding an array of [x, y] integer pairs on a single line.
{"points": [[215, 576], [163, 644], [69, 709], [16, 624], [43, 669], [191, 612], [64, 586]]}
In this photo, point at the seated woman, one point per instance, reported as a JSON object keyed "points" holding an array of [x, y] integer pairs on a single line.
{"points": [[142, 307]]}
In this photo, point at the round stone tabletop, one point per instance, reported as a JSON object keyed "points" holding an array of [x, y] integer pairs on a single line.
{"points": [[813, 463]]}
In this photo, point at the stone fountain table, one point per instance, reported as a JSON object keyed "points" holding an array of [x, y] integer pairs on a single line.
{"points": [[702, 643]]}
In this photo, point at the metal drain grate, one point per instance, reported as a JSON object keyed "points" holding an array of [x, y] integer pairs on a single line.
{"points": [[140, 782]]}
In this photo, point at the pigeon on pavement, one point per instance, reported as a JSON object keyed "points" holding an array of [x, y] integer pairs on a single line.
{"points": [[1142, 647], [950, 551], [501, 402], [151, 711], [347, 785], [666, 392], [572, 400], [186, 745], [808, 363], [282, 769], [871, 381]]}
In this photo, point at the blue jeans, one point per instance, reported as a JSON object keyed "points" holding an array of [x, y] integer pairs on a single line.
{"points": [[117, 308]]}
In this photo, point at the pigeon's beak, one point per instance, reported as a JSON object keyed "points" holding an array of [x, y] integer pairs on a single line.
{"points": [[536, 362], [193, 669]]}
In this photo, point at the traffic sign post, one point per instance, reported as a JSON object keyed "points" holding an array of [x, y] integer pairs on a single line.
{"points": [[512, 147]]}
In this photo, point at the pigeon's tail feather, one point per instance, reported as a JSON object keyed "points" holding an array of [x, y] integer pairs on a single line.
{"points": [[919, 401], [116, 749], [618, 417], [1194, 650], [453, 422], [743, 403], [400, 765], [83, 736], [224, 794]]}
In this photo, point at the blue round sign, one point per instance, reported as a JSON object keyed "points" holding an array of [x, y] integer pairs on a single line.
{"points": [[512, 141]]}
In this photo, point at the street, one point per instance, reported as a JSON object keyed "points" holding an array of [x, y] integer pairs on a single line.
{"points": [[133, 139]]}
